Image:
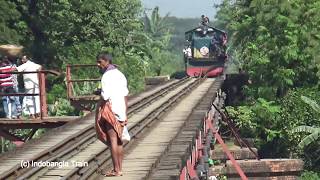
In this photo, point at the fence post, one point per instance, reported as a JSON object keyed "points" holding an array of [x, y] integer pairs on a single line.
{"points": [[68, 77], [43, 95]]}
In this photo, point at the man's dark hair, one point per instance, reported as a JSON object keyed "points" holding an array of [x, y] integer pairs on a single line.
{"points": [[105, 56]]}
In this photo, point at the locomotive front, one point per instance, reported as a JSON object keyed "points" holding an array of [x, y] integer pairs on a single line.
{"points": [[205, 51]]}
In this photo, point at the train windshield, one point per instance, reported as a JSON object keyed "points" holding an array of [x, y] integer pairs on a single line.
{"points": [[204, 33]]}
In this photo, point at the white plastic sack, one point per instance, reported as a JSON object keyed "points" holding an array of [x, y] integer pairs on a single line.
{"points": [[213, 178], [125, 134]]}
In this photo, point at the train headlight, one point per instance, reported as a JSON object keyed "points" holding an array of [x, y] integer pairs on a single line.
{"points": [[204, 51]]}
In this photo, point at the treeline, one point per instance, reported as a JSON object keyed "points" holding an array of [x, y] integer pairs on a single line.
{"points": [[277, 43], [57, 33]]}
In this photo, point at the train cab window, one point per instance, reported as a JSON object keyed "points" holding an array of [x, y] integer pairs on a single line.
{"points": [[188, 36], [199, 34], [210, 33]]}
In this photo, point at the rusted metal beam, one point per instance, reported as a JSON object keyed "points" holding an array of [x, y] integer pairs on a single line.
{"points": [[81, 65], [53, 72], [18, 94], [84, 80], [34, 123], [69, 83], [225, 149], [235, 133], [43, 95], [234, 162]]}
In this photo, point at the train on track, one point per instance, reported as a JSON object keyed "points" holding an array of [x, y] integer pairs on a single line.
{"points": [[205, 51]]}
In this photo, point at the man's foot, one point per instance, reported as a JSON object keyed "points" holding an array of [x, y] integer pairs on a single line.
{"points": [[38, 115], [112, 173]]}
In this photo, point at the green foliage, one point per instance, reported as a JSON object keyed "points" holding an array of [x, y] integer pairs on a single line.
{"points": [[72, 32], [158, 31], [61, 107], [313, 104], [310, 175], [277, 43], [110, 23], [58, 33], [155, 25], [314, 135], [222, 177], [295, 112], [243, 116], [78, 31], [275, 46], [7, 145], [55, 90], [271, 124], [9, 23], [254, 121]]}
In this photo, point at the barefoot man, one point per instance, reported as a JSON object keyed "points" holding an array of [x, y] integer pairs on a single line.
{"points": [[112, 111]]}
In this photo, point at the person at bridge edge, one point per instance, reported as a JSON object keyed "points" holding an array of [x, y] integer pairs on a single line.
{"points": [[111, 116], [30, 104], [204, 21], [7, 87]]}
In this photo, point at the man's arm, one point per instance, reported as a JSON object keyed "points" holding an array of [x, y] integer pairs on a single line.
{"points": [[105, 90], [126, 102], [21, 68]]}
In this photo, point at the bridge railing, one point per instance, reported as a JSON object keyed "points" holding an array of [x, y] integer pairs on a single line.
{"points": [[42, 88], [80, 101], [195, 164]]}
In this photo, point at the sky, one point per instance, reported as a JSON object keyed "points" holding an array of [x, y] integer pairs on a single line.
{"points": [[184, 8]]}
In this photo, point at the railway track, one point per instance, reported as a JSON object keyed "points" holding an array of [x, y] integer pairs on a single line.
{"points": [[169, 164], [148, 151], [78, 135], [81, 154], [93, 152]]}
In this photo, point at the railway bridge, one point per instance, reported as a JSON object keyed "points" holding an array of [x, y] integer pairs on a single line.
{"points": [[175, 134]]}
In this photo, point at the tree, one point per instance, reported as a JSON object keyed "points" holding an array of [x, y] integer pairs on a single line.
{"points": [[55, 26], [157, 29], [274, 43], [314, 133], [277, 43], [66, 32], [9, 23]]}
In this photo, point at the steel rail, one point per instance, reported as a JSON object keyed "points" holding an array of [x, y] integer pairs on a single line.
{"points": [[85, 135], [103, 158]]}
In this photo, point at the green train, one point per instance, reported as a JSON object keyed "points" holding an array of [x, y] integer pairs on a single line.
{"points": [[205, 51]]}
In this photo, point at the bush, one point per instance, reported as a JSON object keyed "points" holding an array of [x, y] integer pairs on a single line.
{"points": [[310, 175]]}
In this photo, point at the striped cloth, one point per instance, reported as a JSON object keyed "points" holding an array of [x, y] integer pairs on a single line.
{"points": [[104, 118], [6, 80]]}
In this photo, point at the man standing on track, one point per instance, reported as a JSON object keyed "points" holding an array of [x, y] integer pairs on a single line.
{"points": [[112, 111]]}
